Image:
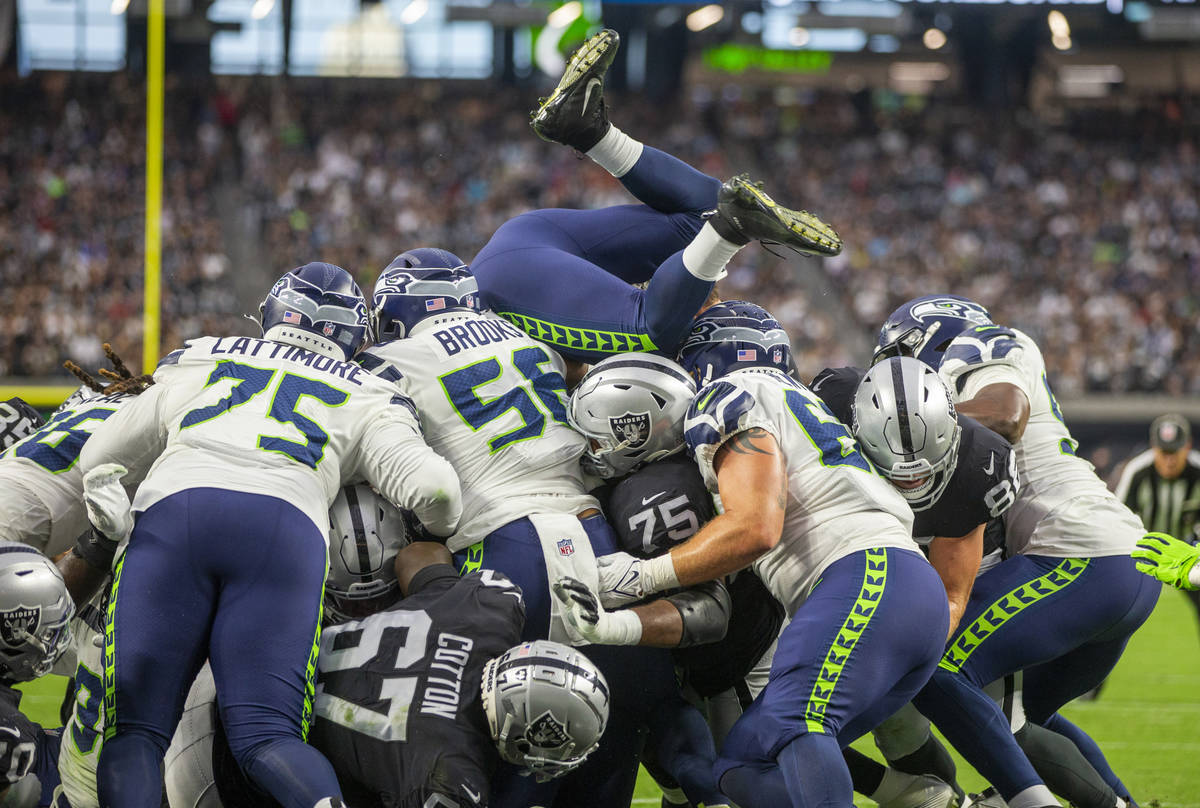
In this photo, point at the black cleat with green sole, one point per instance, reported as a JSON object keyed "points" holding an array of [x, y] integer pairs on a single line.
{"points": [[746, 213], [575, 114]]}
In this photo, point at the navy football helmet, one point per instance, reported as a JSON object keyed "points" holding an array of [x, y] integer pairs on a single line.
{"points": [[732, 335], [318, 307], [421, 283], [924, 328]]}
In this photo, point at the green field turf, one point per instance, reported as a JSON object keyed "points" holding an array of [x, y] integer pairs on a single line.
{"points": [[1147, 720]]}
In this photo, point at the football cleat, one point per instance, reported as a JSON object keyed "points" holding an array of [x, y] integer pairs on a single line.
{"points": [[746, 213], [575, 114], [988, 798], [925, 792]]}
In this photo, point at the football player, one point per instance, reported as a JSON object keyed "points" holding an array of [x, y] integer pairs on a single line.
{"points": [[417, 701], [40, 478], [566, 276], [1065, 603], [831, 540], [35, 630], [249, 441], [492, 401]]}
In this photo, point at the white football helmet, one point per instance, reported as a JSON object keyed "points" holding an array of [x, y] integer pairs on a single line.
{"points": [[631, 408], [35, 613], [905, 422], [365, 534], [547, 706]]}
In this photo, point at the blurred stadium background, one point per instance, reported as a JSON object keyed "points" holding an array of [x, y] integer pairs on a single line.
{"points": [[1041, 158]]}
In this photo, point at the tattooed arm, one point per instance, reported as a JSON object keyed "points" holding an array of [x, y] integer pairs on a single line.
{"points": [[752, 480]]}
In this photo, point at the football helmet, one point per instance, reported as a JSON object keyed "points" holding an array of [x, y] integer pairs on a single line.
{"points": [[732, 335], [35, 613], [925, 327], [317, 307], [546, 705], [905, 421], [365, 534], [417, 284], [631, 408]]}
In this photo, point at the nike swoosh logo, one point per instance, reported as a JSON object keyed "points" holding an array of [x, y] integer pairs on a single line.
{"points": [[628, 584], [648, 500], [474, 795], [587, 94], [991, 466]]}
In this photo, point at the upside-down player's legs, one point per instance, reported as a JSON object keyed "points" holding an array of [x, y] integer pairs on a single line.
{"points": [[564, 275], [237, 576], [859, 647], [1026, 611]]}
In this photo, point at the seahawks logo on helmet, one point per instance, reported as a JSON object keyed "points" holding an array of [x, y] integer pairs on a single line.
{"points": [[16, 624], [632, 428], [547, 732], [948, 307]]}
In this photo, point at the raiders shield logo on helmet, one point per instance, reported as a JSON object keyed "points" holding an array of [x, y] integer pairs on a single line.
{"points": [[632, 428], [547, 732], [16, 623]]}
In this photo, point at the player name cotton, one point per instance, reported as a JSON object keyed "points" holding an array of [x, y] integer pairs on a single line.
{"points": [[441, 697]]}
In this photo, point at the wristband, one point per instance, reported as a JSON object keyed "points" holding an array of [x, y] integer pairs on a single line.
{"points": [[658, 574], [96, 549]]}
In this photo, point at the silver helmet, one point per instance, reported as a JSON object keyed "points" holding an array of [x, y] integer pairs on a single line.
{"points": [[631, 408], [905, 422], [365, 533], [546, 705], [35, 613]]}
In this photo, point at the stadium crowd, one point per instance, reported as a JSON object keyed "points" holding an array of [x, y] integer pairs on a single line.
{"points": [[1089, 241]]}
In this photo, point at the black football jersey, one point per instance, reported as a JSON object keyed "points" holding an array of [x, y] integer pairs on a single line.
{"points": [[25, 747], [17, 420], [658, 506], [661, 505], [399, 714], [984, 483]]}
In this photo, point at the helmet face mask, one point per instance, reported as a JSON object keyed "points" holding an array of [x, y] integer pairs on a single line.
{"points": [[631, 409], [905, 421], [318, 307], [35, 613], [546, 705], [733, 335], [422, 283], [365, 534]]}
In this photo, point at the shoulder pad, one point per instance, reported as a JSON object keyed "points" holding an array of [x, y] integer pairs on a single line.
{"points": [[408, 404], [717, 412], [983, 345], [379, 366], [836, 387], [170, 359]]}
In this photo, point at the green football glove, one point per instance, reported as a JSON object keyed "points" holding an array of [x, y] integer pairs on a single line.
{"points": [[1166, 558]]}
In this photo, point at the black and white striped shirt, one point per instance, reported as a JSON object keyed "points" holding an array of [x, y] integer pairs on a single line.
{"points": [[1165, 506]]}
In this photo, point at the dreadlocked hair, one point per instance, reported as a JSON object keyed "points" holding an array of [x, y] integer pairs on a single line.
{"points": [[120, 378]]}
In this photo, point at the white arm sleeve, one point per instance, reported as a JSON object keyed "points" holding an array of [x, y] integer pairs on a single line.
{"points": [[395, 459], [132, 436], [975, 380]]}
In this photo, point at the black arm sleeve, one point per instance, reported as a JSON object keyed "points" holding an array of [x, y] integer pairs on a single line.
{"points": [[705, 610]]}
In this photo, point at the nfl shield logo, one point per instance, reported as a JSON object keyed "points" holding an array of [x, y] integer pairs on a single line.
{"points": [[328, 329], [777, 355], [16, 623], [566, 548], [632, 428]]}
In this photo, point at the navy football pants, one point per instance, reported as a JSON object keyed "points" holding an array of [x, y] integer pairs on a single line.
{"points": [[641, 680], [564, 276], [1065, 622], [236, 578], [857, 650]]}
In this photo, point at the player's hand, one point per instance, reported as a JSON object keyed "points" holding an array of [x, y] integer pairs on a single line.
{"points": [[621, 580], [583, 611], [1166, 558], [108, 507]]}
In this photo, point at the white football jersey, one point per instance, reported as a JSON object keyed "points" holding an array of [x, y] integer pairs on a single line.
{"points": [[83, 736], [492, 402], [261, 417], [41, 484], [837, 503], [1062, 509]]}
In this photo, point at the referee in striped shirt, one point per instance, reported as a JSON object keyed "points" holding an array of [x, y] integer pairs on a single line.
{"points": [[1162, 484]]}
